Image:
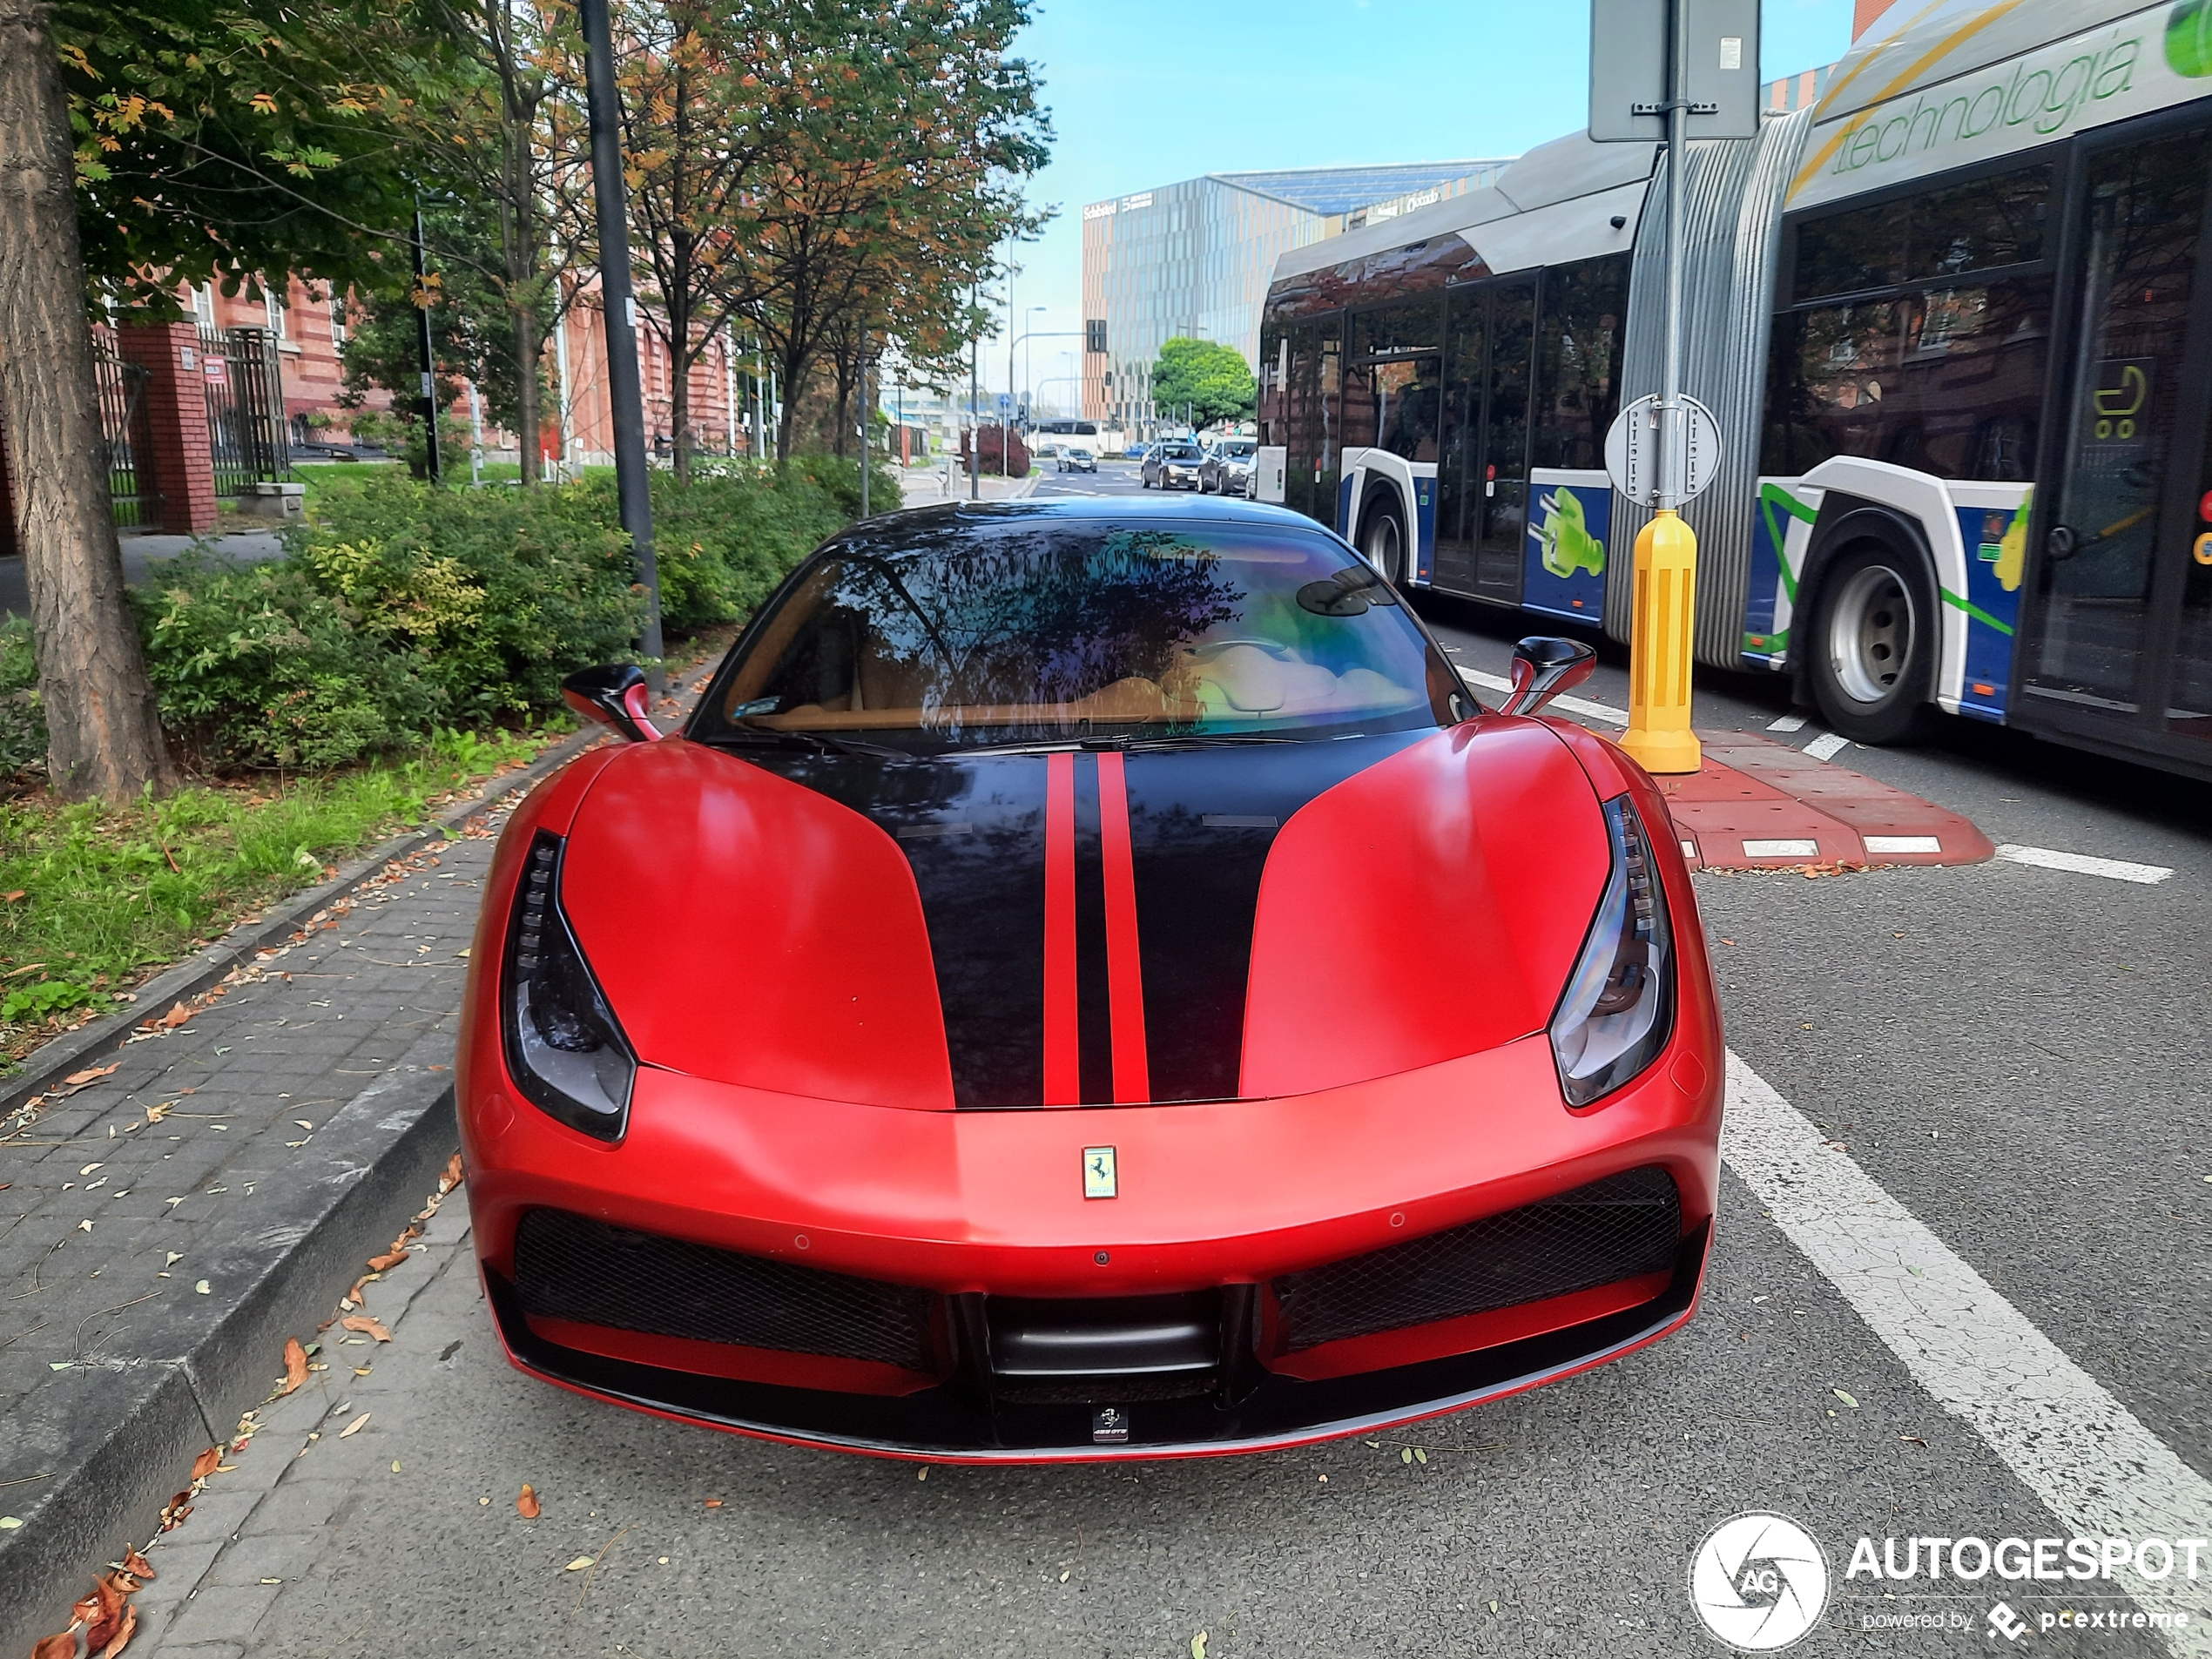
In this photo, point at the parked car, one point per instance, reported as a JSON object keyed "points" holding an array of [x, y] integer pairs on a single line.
{"points": [[1137, 452], [906, 1204], [1173, 464], [1227, 470], [1075, 458]]}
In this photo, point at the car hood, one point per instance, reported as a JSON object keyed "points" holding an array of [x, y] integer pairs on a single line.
{"points": [[1245, 922]]}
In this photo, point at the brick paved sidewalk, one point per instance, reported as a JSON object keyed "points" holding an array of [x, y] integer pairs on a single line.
{"points": [[118, 1198]]}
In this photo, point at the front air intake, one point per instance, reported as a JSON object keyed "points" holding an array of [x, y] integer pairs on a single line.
{"points": [[1621, 1227]]}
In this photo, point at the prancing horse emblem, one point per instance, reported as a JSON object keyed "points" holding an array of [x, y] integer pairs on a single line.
{"points": [[1098, 1172]]}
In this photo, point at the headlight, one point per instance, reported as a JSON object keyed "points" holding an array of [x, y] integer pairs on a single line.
{"points": [[567, 1055], [1619, 1007]]}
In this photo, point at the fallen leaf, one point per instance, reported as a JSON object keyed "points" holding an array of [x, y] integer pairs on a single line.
{"points": [[138, 1566], [303, 1122], [155, 1114], [359, 1294], [61, 1645], [201, 1288], [1198, 1646], [527, 1504], [204, 1465], [716, 1503], [1911, 1439], [10, 898], [177, 1015], [366, 1325], [175, 1256], [78, 1079], [1406, 1455], [8, 1523], [395, 1465], [123, 1634], [1845, 1398], [353, 1428], [296, 1366], [89, 1168], [578, 1564], [387, 1261], [453, 1173]]}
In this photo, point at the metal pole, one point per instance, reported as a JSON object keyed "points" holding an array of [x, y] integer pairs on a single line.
{"points": [[1672, 476], [633, 486], [424, 346], [864, 424], [975, 388]]}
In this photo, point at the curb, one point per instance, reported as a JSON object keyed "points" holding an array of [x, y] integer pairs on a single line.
{"points": [[50, 1062], [120, 1438]]}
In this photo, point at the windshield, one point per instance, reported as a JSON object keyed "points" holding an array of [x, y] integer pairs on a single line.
{"points": [[1179, 451], [1018, 633]]}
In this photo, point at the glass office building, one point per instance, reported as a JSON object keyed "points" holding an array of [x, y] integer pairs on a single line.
{"points": [[1194, 258]]}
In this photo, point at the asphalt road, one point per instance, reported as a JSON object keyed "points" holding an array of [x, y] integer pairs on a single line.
{"points": [[2017, 1056]]}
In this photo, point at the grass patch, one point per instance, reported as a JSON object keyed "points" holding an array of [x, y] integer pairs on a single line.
{"points": [[94, 899]]}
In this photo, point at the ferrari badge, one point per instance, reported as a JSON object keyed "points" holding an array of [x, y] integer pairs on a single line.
{"points": [[1098, 1172]]}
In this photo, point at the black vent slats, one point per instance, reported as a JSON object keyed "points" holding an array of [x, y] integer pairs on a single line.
{"points": [[1621, 1227], [569, 1266]]}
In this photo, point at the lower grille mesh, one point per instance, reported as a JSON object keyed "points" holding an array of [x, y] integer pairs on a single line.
{"points": [[571, 1267], [1621, 1227]]}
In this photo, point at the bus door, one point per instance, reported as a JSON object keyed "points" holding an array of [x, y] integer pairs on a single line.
{"points": [[1482, 504], [2117, 644]]}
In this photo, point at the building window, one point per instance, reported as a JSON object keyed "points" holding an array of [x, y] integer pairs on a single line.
{"points": [[203, 305], [275, 307], [337, 323]]}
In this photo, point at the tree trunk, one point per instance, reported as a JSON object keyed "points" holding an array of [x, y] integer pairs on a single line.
{"points": [[844, 401], [103, 728], [679, 404], [528, 349]]}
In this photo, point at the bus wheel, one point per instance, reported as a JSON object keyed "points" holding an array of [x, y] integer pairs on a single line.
{"points": [[1382, 540], [1871, 653]]}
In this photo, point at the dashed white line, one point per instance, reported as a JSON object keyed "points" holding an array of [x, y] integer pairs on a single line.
{"points": [[1604, 712], [2083, 863], [1788, 723], [1826, 745], [2090, 1460]]}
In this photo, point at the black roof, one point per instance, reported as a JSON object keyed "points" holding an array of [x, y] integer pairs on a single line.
{"points": [[1111, 510]]}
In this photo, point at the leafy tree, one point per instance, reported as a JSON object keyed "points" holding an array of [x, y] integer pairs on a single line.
{"points": [[895, 185], [1213, 379]]}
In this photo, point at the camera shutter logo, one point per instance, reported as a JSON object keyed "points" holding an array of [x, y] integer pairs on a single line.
{"points": [[1759, 1582]]}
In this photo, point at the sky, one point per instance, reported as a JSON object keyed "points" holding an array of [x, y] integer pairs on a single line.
{"points": [[1146, 93]]}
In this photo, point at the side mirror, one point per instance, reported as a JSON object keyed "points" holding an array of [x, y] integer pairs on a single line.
{"points": [[615, 696], [1542, 668]]}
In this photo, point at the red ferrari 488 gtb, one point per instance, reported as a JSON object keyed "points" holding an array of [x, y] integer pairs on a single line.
{"points": [[1088, 981]]}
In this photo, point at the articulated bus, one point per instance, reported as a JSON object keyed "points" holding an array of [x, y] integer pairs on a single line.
{"points": [[1954, 322]]}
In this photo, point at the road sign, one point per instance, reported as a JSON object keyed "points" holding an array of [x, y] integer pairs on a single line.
{"points": [[1629, 89], [1006, 401], [1632, 449]]}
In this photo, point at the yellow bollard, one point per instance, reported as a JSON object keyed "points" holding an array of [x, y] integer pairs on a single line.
{"points": [[1659, 647]]}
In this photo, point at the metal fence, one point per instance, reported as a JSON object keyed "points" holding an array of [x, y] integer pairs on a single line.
{"points": [[246, 434], [127, 433]]}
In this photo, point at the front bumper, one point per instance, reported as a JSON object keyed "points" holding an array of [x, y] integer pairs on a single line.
{"points": [[975, 1210]]}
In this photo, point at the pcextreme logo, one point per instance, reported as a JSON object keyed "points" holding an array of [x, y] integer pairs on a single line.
{"points": [[2189, 39]]}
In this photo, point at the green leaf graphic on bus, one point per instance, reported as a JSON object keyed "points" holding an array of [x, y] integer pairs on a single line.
{"points": [[1569, 545], [2188, 38]]}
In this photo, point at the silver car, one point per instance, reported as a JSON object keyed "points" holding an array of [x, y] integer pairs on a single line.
{"points": [[1173, 465], [1227, 470]]}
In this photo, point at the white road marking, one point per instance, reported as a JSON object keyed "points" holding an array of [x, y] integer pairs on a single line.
{"points": [[1782, 849], [2083, 863], [1788, 723], [1826, 745], [1904, 843], [1604, 712], [2090, 1460]]}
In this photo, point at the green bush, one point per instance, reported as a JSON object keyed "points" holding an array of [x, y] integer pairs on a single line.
{"points": [[22, 725], [258, 665], [493, 595]]}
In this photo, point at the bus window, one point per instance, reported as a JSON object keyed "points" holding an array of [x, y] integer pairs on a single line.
{"points": [[1982, 225], [1310, 410], [1578, 361], [1391, 389], [1949, 382]]}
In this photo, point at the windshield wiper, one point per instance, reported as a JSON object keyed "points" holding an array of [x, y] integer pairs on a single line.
{"points": [[820, 742]]}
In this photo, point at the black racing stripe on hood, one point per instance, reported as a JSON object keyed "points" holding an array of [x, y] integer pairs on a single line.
{"points": [[972, 830], [1202, 822]]}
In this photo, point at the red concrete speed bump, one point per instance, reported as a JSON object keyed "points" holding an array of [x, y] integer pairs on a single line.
{"points": [[1754, 803]]}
